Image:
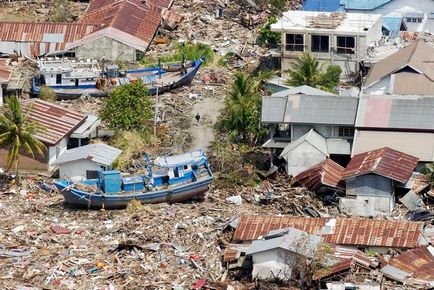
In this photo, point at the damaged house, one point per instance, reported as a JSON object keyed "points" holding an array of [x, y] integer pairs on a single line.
{"points": [[112, 29], [339, 38], [371, 179], [308, 126], [58, 126], [5, 76]]}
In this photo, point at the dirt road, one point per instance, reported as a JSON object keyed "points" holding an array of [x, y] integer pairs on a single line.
{"points": [[202, 132]]}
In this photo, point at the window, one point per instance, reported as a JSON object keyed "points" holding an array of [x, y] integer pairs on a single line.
{"points": [[346, 44], [139, 55], [346, 132], [59, 79], [320, 43], [294, 42]]}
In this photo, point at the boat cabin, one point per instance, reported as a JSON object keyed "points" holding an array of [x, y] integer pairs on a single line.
{"points": [[67, 73]]}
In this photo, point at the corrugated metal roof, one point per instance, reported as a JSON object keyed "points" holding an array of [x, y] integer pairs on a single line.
{"points": [[309, 109], [363, 4], [418, 262], [321, 5], [385, 162], [5, 70], [420, 145], [396, 112], [99, 153], [344, 231], [381, 233], [408, 83], [139, 19], [311, 137], [327, 173], [415, 58], [302, 90], [55, 121], [393, 25], [252, 227]]}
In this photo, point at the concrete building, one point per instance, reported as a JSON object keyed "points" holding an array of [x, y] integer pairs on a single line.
{"points": [[311, 124], [334, 38], [409, 71], [86, 160], [283, 254], [371, 179], [56, 126], [403, 123]]}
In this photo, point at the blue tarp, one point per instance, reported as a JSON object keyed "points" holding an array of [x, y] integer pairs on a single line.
{"points": [[392, 24], [321, 5], [363, 4]]}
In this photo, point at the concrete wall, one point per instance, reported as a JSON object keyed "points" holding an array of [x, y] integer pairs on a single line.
{"points": [[105, 47], [302, 157], [369, 185], [77, 168], [55, 151], [327, 131], [367, 206], [275, 263]]}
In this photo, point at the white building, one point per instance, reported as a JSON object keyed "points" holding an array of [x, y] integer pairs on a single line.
{"points": [[338, 38], [85, 161]]}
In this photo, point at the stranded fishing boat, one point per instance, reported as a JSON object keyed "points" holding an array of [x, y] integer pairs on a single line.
{"points": [[176, 178], [71, 79]]}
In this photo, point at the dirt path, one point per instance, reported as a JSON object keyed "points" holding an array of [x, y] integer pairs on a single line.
{"points": [[203, 133]]}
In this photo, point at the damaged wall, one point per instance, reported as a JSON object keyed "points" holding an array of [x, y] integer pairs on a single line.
{"points": [[274, 263], [105, 47], [367, 206]]}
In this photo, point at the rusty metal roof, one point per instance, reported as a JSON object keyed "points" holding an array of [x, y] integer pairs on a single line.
{"points": [[55, 121], [5, 70], [418, 262], [373, 232], [134, 17], [252, 227], [385, 162], [327, 173]]}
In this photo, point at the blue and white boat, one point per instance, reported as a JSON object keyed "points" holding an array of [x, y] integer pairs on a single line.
{"points": [[71, 79], [172, 179]]}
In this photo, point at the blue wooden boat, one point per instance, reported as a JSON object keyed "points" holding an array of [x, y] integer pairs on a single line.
{"points": [[172, 179], [71, 79]]}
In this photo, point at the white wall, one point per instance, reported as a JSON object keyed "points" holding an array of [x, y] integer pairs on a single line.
{"points": [[55, 151], [105, 47], [303, 157], [274, 263], [77, 168], [358, 286], [379, 88]]}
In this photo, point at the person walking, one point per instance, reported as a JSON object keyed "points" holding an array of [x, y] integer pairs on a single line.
{"points": [[197, 118]]}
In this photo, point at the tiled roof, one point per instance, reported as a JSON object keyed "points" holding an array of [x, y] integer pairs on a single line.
{"points": [[5, 70], [385, 162], [252, 227], [327, 173], [55, 121], [372, 232]]}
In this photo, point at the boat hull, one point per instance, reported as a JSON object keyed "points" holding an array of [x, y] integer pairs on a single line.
{"points": [[81, 199]]}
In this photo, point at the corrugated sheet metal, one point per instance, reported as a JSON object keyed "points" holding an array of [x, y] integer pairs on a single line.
{"points": [[273, 109], [252, 227], [363, 4], [302, 90], [311, 137], [385, 162], [321, 5], [326, 173], [408, 83], [396, 112], [98, 153], [420, 145], [55, 121], [5, 70], [418, 262], [382, 233], [417, 56]]}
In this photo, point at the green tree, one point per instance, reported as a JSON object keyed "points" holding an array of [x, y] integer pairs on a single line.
{"points": [[241, 115], [277, 6], [128, 107], [429, 172], [266, 36], [17, 133], [47, 94], [306, 70]]}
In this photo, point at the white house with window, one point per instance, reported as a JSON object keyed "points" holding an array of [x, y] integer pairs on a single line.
{"points": [[342, 39]]}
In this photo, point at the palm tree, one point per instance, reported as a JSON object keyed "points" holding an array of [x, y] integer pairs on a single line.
{"points": [[17, 133], [305, 70]]}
